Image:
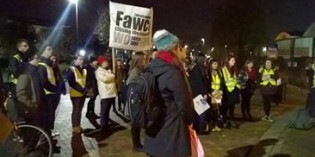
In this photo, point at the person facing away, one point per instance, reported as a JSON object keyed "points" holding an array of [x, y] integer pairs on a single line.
{"points": [[30, 93], [91, 85], [268, 87], [120, 81], [173, 139], [107, 88], [77, 81], [138, 63], [16, 61]]}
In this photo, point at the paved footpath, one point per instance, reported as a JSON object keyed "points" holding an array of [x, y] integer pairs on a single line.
{"points": [[117, 142]]}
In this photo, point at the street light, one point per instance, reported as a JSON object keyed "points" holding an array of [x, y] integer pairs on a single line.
{"points": [[82, 52], [74, 1], [203, 41], [186, 46], [76, 21]]}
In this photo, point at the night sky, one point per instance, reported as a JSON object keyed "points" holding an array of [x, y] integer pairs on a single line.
{"points": [[188, 19]]}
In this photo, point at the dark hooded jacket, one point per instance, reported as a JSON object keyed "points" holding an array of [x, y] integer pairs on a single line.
{"points": [[29, 90], [173, 140]]}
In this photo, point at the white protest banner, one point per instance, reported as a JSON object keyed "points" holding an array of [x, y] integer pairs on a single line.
{"points": [[130, 27]]}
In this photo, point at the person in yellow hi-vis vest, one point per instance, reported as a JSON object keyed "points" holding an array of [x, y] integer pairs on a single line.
{"points": [[15, 62], [268, 87], [230, 91], [48, 79], [77, 81], [216, 80]]}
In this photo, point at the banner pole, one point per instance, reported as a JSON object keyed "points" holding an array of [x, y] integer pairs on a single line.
{"points": [[114, 60]]}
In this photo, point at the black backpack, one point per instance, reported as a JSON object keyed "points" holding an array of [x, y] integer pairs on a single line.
{"points": [[146, 107]]}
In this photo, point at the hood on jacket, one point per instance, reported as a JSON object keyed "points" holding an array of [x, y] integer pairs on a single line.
{"points": [[162, 64]]}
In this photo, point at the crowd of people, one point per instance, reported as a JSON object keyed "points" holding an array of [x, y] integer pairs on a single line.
{"points": [[39, 85]]}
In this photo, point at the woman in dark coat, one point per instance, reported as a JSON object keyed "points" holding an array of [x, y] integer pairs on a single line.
{"points": [[199, 86], [173, 140]]}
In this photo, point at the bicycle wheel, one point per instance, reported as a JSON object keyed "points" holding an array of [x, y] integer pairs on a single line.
{"points": [[32, 140]]}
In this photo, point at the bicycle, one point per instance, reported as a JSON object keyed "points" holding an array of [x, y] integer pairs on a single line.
{"points": [[27, 139]]}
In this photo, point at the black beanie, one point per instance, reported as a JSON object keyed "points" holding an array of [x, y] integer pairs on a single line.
{"points": [[92, 59]]}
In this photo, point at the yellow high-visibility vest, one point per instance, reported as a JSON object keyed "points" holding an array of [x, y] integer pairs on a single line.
{"points": [[230, 81], [216, 82], [80, 79], [50, 76], [19, 59], [266, 78]]}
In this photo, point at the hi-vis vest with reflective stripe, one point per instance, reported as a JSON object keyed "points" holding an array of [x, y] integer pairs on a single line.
{"points": [[50, 76], [216, 82], [80, 79], [266, 78], [230, 82], [19, 59]]}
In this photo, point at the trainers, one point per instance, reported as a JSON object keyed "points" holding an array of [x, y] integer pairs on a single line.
{"points": [[138, 148], [267, 119], [216, 129], [54, 133]]}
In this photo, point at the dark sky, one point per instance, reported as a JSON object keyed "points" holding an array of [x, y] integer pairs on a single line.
{"points": [[188, 19]]}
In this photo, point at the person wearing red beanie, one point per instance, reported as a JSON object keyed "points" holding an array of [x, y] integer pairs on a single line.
{"points": [[107, 90]]}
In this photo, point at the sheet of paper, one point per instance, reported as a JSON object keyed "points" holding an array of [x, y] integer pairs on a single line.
{"points": [[200, 104]]}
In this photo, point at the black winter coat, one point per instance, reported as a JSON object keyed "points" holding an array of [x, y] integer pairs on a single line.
{"points": [[29, 89], [173, 140], [198, 83]]}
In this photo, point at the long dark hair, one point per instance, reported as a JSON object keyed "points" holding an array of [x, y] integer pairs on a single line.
{"points": [[232, 70], [137, 61], [210, 65]]}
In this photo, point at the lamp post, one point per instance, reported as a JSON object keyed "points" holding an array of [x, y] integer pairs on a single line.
{"points": [[75, 2]]}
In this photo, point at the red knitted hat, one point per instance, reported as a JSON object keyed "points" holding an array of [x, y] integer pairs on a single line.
{"points": [[101, 60]]}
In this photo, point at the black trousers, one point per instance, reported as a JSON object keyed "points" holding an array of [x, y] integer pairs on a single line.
{"points": [[91, 105], [245, 103], [135, 134], [311, 102], [228, 105], [106, 104], [78, 103], [267, 99], [120, 101], [52, 104]]}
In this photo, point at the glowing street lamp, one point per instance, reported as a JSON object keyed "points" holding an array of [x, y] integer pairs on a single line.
{"points": [[74, 1], [186, 46], [82, 52]]}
